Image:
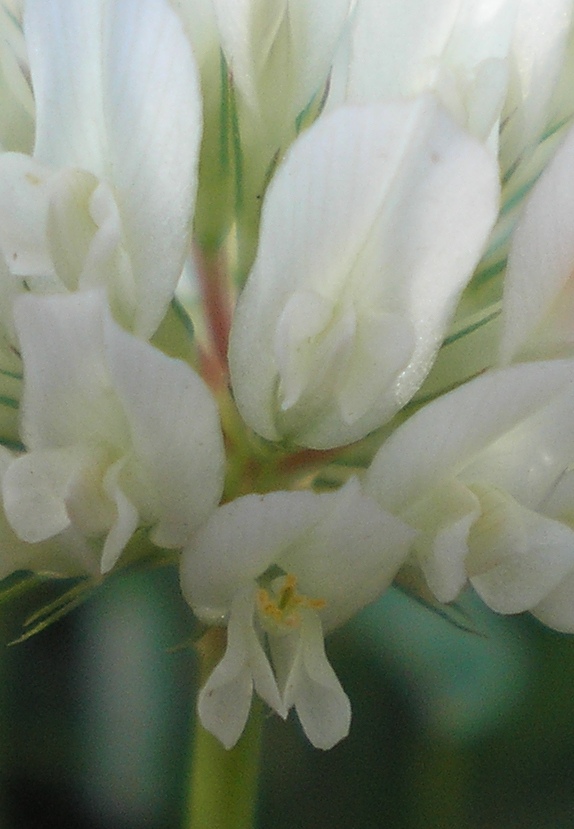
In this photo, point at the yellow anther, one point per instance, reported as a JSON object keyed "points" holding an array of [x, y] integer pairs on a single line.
{"points": [[280, 604]]}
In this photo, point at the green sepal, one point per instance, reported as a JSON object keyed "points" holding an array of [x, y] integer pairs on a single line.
{"points": [[56, 609]]}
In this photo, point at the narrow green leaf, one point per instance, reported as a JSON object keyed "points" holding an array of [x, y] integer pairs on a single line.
{"points": [[224, 115], [13, 375], [48, 611], [10, 402], [481, 277], [237, 151], [24, 584], [49, 620], [517, 197], [472, 327]]}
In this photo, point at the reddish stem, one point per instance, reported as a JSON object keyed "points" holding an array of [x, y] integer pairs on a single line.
{"points": [[309, 458], [217, 308]]}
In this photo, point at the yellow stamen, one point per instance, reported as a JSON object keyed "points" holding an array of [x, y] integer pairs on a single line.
{"points": [[281, 604]]}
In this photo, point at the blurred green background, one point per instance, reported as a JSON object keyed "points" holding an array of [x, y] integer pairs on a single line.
{"points": [[450, 729]]}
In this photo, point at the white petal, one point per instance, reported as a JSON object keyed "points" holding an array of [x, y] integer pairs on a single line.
{"points": [[126, 520], [445, 517], [88, 383], [532, 461], [539, 286], [174, 433], [34, 490], [70, 227], [391, 44], [225, 699], [199, 19], [313, 688], [305, 316], [456, 48], [67, 389], [383, 342], [64, 42], [446, 435], [238, 543], [516, 556], [152, 107], [350, 555], [338, 222], [86, 241], [118, 95], [63, 555], [24, 200], [540, 41]]}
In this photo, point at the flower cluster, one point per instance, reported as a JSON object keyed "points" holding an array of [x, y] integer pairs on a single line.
{"points": [[286, 290]]}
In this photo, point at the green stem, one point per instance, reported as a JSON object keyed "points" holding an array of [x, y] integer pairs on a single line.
{"points": [[223, 784]]}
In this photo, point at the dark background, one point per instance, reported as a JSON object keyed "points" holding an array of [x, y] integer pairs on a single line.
{"points": [[450, 729]]}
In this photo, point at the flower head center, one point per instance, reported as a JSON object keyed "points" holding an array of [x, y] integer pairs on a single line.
{"points": [[280, 604]]}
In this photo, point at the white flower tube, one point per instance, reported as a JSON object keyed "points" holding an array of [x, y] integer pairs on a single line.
{"points": [[288, 566], [370, 230], [486, 474], [118, 435]]}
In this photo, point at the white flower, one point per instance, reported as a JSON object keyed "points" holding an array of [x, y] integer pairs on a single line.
{"points": [[459, 50], [370, 230], [486, 473], [118, 435], [495, 64], [107, 198], [288, 566], [279, 53]]}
